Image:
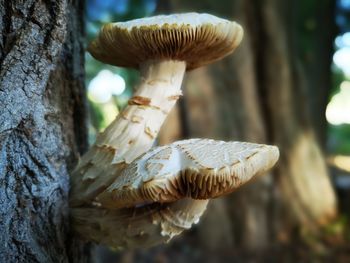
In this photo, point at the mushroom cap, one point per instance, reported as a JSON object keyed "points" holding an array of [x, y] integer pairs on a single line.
{"points": [[195, 168], [198, 39]]}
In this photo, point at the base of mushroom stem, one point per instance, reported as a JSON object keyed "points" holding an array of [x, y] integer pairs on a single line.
{"points": [[138, 227]]}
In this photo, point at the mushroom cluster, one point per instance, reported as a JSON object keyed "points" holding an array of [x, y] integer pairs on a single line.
{"points": [[126, 194]]}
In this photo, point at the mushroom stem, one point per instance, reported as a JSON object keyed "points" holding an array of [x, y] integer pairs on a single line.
{"points": [[132, 133], [145, 226]]}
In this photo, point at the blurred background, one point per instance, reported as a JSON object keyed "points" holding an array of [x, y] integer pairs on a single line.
{"points": [[287, 84]]}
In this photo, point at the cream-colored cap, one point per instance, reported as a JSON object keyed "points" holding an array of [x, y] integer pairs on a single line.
{"points": [[198, 39], [195, 168]]}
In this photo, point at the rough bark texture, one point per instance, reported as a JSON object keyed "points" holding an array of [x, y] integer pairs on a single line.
{"points": [[42, 127]]}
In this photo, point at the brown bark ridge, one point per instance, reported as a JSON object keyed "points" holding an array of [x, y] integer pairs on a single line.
{"points": [[42, 127]]}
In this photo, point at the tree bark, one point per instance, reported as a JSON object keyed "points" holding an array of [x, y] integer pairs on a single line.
{"points": [[43, 128]]}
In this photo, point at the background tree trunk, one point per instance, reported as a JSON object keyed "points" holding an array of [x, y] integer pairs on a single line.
{"points": [[42, 129], [316, 26], [306, 191], [260, 94]]}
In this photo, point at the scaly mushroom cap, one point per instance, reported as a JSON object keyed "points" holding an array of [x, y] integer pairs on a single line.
{"points": [[198, 39], [195, 168]]}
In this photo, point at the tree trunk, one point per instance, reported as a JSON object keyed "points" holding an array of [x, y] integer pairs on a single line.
{"points": [[307, 193], [317, 25], [259, 94], [42, 127]]}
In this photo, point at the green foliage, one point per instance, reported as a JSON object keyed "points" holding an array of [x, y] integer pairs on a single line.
{"points": [[337, 78], [338, 141], [96, 115], [337, 227]]}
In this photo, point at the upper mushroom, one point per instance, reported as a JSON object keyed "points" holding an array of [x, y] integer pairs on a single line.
{"points": [[162, 47], [197, 39]]}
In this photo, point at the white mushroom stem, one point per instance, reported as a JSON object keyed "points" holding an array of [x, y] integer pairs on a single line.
{"points": [[137, 227], [132, 133], [135, 131]]}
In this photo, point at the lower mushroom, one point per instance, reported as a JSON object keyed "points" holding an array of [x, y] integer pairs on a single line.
{"points": [[166, 190]]}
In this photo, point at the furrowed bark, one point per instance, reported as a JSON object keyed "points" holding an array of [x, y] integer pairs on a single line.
{"points": [[42, 127]]}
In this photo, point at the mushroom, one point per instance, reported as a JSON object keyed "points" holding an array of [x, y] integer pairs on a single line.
{"points": [[125, 194], [162, 48], [166, 190]]}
